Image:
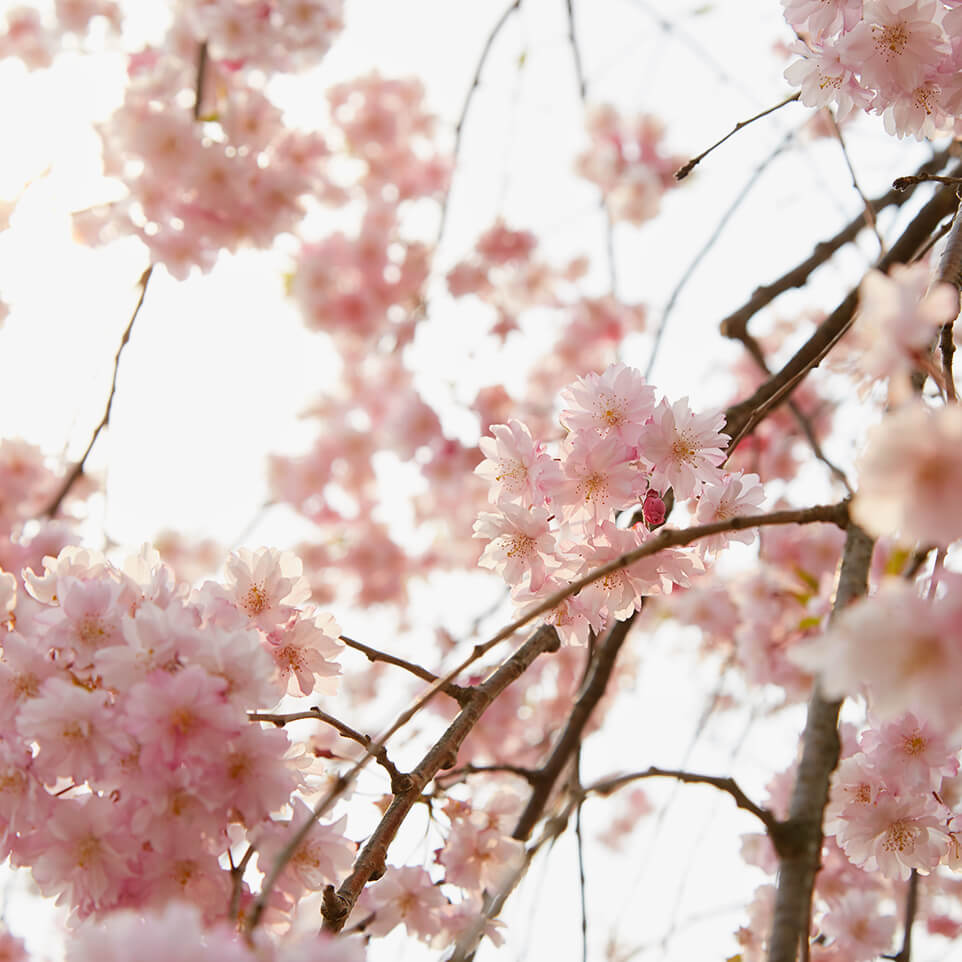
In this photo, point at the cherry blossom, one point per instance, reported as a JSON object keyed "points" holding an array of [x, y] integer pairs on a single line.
{"points": [[909, 475], [684, 449], [520, 543]]}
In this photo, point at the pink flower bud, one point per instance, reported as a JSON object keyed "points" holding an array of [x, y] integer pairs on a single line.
{"points": [[653, 509]]}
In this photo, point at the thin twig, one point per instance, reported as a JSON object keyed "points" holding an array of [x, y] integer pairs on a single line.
{"points": [[904, 183], [728, 785], [237, 879], [458, 692], [904, 954], [576, 51], [582, 81], [580, 845], [684, 171], [870, 221], [73, 475], [466, 106], [399, 781], [706, 248], [950, 271]]}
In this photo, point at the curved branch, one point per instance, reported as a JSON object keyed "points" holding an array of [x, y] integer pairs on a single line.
{"points": [[78, 469], [741, 418]]}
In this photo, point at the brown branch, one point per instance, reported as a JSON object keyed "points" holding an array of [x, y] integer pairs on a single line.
{"points": [[742, 417], [528, 774], [592, 689], [77, 470], [950, 271], [904, 183], [800, 851], [736, 323], [399, 781], [904, 954], [757, 355], [684, 171], [237, 878], [371, 860], [836, 514], [728, 785], [202, 52], [457, 692]]}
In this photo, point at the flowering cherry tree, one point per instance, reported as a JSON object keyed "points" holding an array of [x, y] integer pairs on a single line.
{"points": [[212, 751]]}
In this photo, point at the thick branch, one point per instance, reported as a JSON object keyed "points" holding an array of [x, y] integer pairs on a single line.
{"points": [[744, 416], [371, 861], [801, 852], [950, 271], [592, 689], [78, 469], [735, 324]]}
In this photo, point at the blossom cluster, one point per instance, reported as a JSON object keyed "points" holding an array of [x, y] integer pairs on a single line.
{"points": [[556, 519], [130, 773], [897, 58], [628, 163]]}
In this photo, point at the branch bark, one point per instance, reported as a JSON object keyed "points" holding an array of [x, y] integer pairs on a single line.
{"points": [[800, 841], [741, 418], [371, 861]]}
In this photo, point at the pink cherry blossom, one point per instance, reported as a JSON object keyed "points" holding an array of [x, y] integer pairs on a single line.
{"points": [[684, 449], [734, 496], [304, 654], [895, 835], [895, 42], [601, 478], [520, 543], [617, 401], [910, 475], [518, 465]]}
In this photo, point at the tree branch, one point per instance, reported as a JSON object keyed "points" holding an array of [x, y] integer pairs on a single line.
{"points": [[742, 417], [735, 324], [371, 860], [399, 781], [685, 170], [458, 692], [800, 851], [593, 687], [77, 470], [724, 784], [836, 514], [904, 954]]}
